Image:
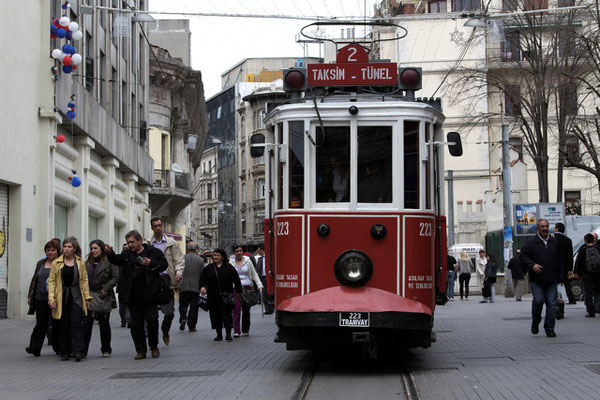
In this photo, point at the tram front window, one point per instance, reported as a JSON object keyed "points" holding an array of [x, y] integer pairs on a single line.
{"points": [[333, 165], [374, 164], [296, 157]]}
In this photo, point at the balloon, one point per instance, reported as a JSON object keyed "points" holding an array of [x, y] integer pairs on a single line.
{"points": [[56, 53], [53, 36], [77, 35], [56, 21], [74, 66], [71, 105], [69, 35], [76, 58], [73, 26], [67, 61], [71, 114], [60, 138], [67, 69], [64, 21], [65, 6], [61, 33], [53, 29], [76, 182]]}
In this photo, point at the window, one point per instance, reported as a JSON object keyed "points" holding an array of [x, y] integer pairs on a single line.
{"points": [[243, 160], [566, 44], [512, 100], [573, 202], [244, 226], [209, 166], [92, 228], [209, 191], [296, 163], [437, 6], [114, 94], [219, 112], [571, 150], [411, 164], [260, 189], [512, 47], [466, 5], [101, 82], [123, 103], [535, 4], [243, 193], [279, 168], [259, 224], [374, 164], [566, 3], [333, 164], [61, 221], [427, 166], [516, 144], [209, 215]]}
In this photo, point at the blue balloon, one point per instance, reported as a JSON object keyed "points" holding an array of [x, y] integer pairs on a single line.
{"points": [[53, 29], [61, 32], [69, 35], [71, 114], [71, 105], [67, 69], [72, 50], [65, 6], [76, 182], [65, 48]]}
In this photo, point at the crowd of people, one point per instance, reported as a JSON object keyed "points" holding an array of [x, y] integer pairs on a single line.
{"points": [[68, 293], [548, 261]]}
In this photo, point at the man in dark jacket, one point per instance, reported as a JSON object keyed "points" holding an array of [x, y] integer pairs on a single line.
{"points": [[591, 279], [141, 266], [541, 256], [518, 275], [566, 250]]}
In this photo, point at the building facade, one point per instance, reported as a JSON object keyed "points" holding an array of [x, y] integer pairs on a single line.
{"points": [[207, 204]]}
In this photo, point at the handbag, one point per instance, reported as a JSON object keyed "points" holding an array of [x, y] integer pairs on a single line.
{"points": [[203, 302], [228, 297], [561, 293], [164, 294], [249, 297], [487, 290], [100, 304]]}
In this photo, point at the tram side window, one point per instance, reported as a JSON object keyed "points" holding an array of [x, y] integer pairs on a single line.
{"points": [[333, 165], [296, 163], [279, 168], [428, 168], [411, 164], [374, 164]]}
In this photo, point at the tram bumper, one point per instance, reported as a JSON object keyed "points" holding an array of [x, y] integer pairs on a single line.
{"points": [[343, 315]]}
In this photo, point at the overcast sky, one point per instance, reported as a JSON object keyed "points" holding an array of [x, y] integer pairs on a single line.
{"points": [[218, 43]]}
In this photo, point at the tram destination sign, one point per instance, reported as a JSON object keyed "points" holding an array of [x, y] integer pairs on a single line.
{"points": [[353, 74], [355, 319]]}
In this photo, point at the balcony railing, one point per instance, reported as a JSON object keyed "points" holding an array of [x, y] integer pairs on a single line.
{"points": [[499, 54], [167, 178]]}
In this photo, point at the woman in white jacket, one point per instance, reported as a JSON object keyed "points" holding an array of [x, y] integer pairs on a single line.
{"points": [[247, 273], [481, 263]]}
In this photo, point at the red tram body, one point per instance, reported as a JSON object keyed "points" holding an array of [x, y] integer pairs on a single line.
{"points": [[355, 234]]}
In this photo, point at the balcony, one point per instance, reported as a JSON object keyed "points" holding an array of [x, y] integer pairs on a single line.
{"points": [[172, 192], [501, 55]]}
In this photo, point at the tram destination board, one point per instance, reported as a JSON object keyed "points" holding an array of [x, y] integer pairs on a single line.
{"points": [[352, 74], [355, 319]]}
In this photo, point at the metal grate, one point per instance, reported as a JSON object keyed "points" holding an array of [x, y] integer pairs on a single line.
{"points": [[593, 367], [161, 374]]}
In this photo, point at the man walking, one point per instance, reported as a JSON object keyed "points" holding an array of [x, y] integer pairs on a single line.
{"points": [[262, 273], [141, 266], [541, 256], [566, 249], [190, 288], [587, 267], [518, 275], [174, 272], [451, 269]]}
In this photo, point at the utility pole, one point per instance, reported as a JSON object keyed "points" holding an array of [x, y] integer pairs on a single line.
{"points": [[508, 234]]}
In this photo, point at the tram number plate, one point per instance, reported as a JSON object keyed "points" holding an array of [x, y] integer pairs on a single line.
{"points": [[355, 319]]}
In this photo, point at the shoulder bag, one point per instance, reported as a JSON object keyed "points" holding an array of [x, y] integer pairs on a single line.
{"points": [[100, 304], [249, 297], [228, 297]]}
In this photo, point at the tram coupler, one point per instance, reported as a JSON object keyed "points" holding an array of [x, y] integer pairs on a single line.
{"points": [[361, 337]]}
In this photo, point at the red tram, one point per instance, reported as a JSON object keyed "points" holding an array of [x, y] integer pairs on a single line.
{"points": [[355, 231]]}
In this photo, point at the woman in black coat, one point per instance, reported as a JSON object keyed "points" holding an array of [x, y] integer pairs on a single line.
{"points": [[216, 279], [491, 271]]}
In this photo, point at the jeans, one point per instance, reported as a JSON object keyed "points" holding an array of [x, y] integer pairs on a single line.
{"points": [[591, 287], [463, 280], [544, 293], [450, 284]]}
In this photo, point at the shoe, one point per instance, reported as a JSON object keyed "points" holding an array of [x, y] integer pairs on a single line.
{"points": [[550, 333], [105, 355], [218, 338], [466, 299], [491, 301], [64, 357], [588, 315], [229, 338], [166, 339], [535, 329], [182, 325], [236, 335], [155, 353], [29, 350], [193, 330], [518, 300], [139, 356], [451, 298], [77, 356], [245, 334], [484, 301]]}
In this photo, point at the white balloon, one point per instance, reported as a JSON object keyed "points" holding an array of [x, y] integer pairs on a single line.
{"points": [[76, 58], [64, 21], [56, 53], [73, 26], [77, 35], [62, 55]]}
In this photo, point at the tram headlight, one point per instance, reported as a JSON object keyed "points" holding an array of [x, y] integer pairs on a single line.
{"points": [[353, 268]]}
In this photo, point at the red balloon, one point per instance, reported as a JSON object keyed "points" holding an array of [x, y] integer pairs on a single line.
{"points": [[60, 138], [74, 66], [53, 36], [67, 60]]}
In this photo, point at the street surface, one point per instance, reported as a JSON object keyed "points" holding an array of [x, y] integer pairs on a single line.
{"points": [[484, 351]]}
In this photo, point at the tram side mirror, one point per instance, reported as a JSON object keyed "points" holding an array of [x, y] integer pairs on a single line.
{"points": [[257, 151], [454, 144]]}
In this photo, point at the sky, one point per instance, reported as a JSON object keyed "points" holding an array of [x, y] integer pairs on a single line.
{"points": [[218, 43]]}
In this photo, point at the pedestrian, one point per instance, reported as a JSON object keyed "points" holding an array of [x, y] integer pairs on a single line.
{"points": [[217, 281], [491, 272], [37, 298], [480, 263], [174, 272], [142, 265], [566, 250], [124, 281], [587, 267], [465, 266], [541, 256], [451, 270], [267, 299], [69, 298], [190, 288], [102, 278], [518, 275], [247, 273]]}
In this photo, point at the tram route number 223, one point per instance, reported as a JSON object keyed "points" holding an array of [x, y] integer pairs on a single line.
{"points": [[425, 229], [283, 228]]}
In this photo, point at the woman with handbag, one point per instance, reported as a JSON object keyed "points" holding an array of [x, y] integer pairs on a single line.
{"points": [[217, 281], [102, 278], [69, 299], [37, 299], [247, 273], [491, 271]]}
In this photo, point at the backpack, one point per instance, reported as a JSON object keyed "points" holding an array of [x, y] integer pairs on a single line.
{"points": [[592, 260]]}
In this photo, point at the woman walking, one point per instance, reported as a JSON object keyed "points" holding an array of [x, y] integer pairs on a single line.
{"points": [[247, 273], [465, 266], [491, 270], [217, 281], [37, 298], [102, 278], [69, 299]]}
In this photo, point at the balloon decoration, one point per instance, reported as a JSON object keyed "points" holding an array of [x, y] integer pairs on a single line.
{"points": [[60, 138], [64, 28], [71, 108], [75, 181]]}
